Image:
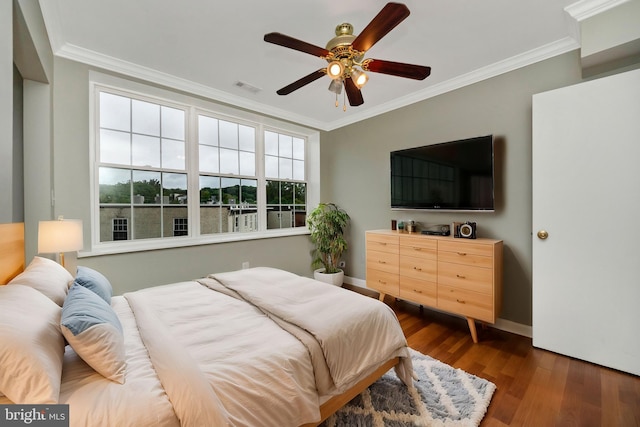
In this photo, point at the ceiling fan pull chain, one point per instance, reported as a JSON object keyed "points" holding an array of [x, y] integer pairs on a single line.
{"points": [[344, 101]]}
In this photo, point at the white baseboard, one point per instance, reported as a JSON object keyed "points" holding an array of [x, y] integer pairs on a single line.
{"points": [[513, 327], [501, 324]]}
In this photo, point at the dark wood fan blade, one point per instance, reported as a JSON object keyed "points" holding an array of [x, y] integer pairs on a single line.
{"points": [[353, 93], [417, 72], [302, 82], [386, 20], [295, 44]]}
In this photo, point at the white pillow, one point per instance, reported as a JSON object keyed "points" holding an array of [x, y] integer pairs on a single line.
{"points": [[31, 346], [46, 276], [94, 331]]}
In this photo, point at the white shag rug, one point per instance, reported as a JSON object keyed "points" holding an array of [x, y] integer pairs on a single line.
{"points": [[442, 396]]}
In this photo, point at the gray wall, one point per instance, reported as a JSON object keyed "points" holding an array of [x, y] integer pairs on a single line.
{"points": [[33, 64], [17, 179], [138, 270], [7, 86], [355, 165]]}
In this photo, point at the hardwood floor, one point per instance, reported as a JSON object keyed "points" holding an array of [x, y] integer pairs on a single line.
{"points": [[534, 387]]}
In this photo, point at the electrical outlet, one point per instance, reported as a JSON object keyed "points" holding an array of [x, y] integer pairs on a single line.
{"points": [[245, 265], [342, 264]]}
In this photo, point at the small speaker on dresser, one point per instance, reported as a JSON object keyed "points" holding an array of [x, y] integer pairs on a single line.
{"points": [[464, 230]]}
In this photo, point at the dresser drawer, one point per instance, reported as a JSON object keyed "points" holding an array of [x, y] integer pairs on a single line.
{"points": [[460, 257], [382, 261], [465, 302], [427, 253], [465, 246], [420, 291], [387, 283], [472, 278], [418, 268], [418, 241], [382, 242]]}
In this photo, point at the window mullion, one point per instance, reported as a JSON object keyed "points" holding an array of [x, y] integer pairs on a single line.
{"points": [[193, 172], [262, 182]]}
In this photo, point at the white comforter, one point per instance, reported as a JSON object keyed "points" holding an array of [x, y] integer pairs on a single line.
{"points": [[220, 362], [268, 355], [355, 334]]}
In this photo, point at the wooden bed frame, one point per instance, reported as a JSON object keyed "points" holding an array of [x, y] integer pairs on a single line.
{"points": [[11, 251], [12, 263], [337, 402]]}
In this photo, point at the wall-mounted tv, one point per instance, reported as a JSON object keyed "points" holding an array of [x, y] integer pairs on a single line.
{"points": [[450, 176]]}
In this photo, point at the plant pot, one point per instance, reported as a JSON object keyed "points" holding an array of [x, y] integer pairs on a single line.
{"points": [[335, 279]]}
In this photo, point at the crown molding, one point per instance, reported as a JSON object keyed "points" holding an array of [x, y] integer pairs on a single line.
{"points": [[533, 56], [92, 58], [75, 53], [585, 9]]}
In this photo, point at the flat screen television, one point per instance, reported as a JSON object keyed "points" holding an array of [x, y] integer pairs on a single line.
{"points": [[450, 176]]}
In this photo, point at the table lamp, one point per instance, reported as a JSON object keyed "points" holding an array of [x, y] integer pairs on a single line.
{"points": [[60, 236]]}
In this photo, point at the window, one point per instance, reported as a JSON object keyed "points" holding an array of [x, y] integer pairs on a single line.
{"points": [[286, 188], [226, 150], [120, 228], [142, 173], [180, 226], [167, 169]]}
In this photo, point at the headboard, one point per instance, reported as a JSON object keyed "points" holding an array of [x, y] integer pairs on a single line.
{"points": [[11, 251]]}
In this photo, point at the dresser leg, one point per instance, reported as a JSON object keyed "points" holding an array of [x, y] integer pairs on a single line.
{"points": [[381, 297], [472, 328]]}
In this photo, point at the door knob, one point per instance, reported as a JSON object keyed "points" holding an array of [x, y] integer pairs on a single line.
{"points": [[542, 234]]}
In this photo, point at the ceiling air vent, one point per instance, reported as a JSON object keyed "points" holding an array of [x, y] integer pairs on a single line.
{"points": [[246, 86]]}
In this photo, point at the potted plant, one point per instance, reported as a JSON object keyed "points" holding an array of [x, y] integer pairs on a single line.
{"points": [[327, 223]]}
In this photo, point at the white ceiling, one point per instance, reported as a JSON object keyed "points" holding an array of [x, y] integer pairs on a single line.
{"points": [[206, 46]]}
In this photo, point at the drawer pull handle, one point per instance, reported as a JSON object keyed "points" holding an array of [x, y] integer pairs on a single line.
{"points": [[382, 281], [382, 262], [417, 291], [460, 301], [417, 249], [461, 276], [383, 244], [462, 253], [417, 268]]}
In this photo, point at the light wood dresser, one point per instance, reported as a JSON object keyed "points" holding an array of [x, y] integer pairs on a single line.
{"points": [[459, 276]]}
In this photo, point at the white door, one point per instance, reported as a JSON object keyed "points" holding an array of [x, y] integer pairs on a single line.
{"points": [[586, 197]]}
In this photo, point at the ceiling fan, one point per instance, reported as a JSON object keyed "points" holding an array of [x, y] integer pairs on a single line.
{"points": [[345, 55]]}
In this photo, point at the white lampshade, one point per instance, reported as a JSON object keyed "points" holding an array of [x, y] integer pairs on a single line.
{"points": [[63, 235]]}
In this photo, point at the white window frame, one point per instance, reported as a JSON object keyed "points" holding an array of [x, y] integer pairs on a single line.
{"points": [[98, 81]]}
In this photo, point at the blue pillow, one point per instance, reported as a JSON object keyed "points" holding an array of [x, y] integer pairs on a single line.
{"points": [[93, 330], [94, 281]]}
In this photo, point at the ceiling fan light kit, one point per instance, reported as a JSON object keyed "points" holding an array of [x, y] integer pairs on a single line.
{"points": [[336, 86], [359, 78], [335, 69], [345, 53]]}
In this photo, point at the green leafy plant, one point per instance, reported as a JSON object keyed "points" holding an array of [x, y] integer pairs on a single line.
{"points": [[327, 224]]}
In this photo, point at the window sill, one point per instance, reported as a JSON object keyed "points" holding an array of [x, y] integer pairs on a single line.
{"points": [[179, 242]]}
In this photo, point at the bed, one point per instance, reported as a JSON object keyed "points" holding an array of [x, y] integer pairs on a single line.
{"points": [[254, 347]]}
